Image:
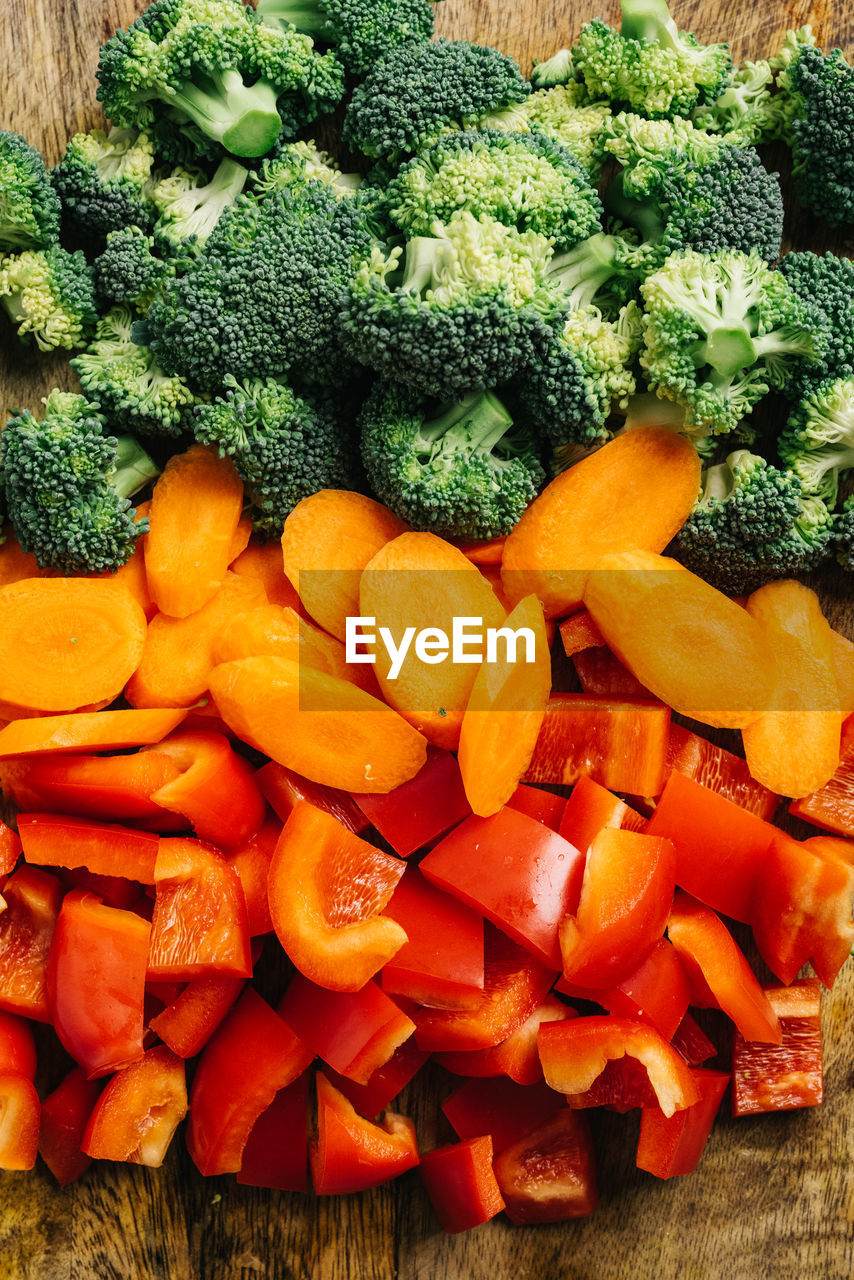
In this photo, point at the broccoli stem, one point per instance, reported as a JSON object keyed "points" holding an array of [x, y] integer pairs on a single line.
{"points": [[646, 217], [481, 418], [649, 20], [242, 117], [302, 14], [582, 271], [727, 349], [133, 468], [423, 255]]}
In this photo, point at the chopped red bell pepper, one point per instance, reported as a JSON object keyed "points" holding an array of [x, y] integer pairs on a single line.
{"points": [[719, 770], [656, 992], [460, 1182], [671, 1146], [251, 861], [549, 1175], [545, 806], [601, 674], [574, 1054], [720, 847], [717, 970], [249, 1058], [832, 806], [65, 1115], [108, 788], [276, 1151], [691, 1041], [17, 1046], [789, 1075], [441, 962], [19, 1121], [350, 1153], [115, 891], [10, 851], [32, 900], [215, 790], [516, 872], [283, 789], [517, 1056], [580, 632], [354, 1032], [200, 925], [385, 1083], [53, 840], [187, 1023], [616, 742], [589, 809], [420, 811], [136, 1115], [499, 1107]]}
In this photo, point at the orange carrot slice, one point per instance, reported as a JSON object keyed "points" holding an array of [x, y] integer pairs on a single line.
{"points": [[87, 731], [273, 631], [16, 564], [264, 560], [843, 665], [240, 541], [489, 551]]}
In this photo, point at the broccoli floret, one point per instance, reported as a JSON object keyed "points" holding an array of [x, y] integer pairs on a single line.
{"points": [[458, 316], [104, 183], [721, 329], [523, 180], [296, 163], [843, 535], [208, 75], [458, 470], [825, 281], [641, 146], [284, 447], [49, 294], [189, 204], [818, 101], [266, 292], [68, 486], [752, 525], [817, 442], [748, 104], [29, 206], [565, 114], [360, 31], [649, 65], [601, 271], [419, 91], [129, 269], [557, 69], [134, 394]]}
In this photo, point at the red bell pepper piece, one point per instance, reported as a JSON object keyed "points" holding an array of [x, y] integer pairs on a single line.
{"points": [[545, 806], [499, 1107], [10, 850], [421, 810], [802, 906], [53, 840], [96, 982], [789, 1075], [283, 789], [461, 1184], [215, 790], [355, 1032], [200, 925], [32, 901], [719, 770], [832, 806], [187, 1024], [514, 983], [251, 1056], [720, 847], [326, 889], [441, 962], [516, 872], [350, 1153], [517, 1056], [671, 1146], [580, 632], [549, 1175], [590, 809], [625, 899], [656, 992], [618, 743], [65, 1115], [691, 1041], [717, 970], [385, 1083], [115, 891], [574, 1054], [251, 861], [135, 1118], [19, 1121], [276, 1151], [17, 1046], [109, 788], [601, 674]]}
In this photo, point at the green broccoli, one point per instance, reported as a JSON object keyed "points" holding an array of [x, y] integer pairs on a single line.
{"points": [[458, 470], [129, 270], [523, 180], [284, 446], [649, 65], [641, 146], [752, 525], [843, 535], [748, 104], [104, 183], [207, 75], [827, 282], [134, 394], [564, 114], [817, 442], [189, 204], [601, 271], [419, 91], [49, 294], [360, 31], [556, 70], [295, 163], [29, 206], [721, 329], [458, 316], [68, 486]]}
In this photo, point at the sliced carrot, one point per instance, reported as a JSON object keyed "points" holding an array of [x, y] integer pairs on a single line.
{"points": [[240, 541], [635, 492], [489, 551], [264, 560], [504, 713], [843, 664], [88, 731], [195, 511], [65, 642], [131, 575], [419, 581], [179, 652], [323, 728], [327, 541], [16, 564]]}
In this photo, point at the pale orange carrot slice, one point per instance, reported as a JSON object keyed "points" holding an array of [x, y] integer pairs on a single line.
{"points": [[87, 731]]}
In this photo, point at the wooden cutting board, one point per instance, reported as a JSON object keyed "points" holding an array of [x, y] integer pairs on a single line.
{"points": [[774, 1196]]}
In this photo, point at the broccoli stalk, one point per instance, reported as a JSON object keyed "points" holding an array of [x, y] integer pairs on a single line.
{"points": [[190, 205], [593, 271], [474, 424], [241, 116]]}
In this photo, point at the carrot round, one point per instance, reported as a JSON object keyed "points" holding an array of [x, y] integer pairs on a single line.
{"points": [[87, 731], [273, 631], [634, 493], [66, 642], [264, 560], [16, 564], [325, 729], [195, 512], [327, 541], [504, 713]]}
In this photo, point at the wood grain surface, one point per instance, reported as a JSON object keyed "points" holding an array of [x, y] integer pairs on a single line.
{"points": [[774, 1195]]}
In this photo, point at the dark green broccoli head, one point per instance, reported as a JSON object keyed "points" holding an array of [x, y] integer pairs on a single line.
{"points": [[49, 295], [565, 114], [457, 470], [189, 204], [207, 76], [523, 180], [421, 90], [284, 446], [29, 206], [129, 270], [817, 442], [818, 93], [68, 486], [360, 31], [827, 282], [843, 535], [103, 181]]}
